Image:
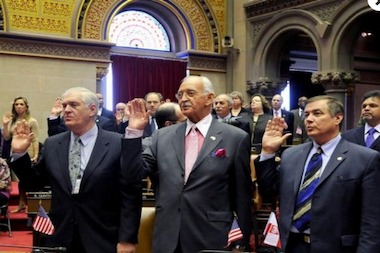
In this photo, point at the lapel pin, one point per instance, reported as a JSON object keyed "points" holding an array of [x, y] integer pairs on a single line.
{"points": [[339, 158], [212, 138]]}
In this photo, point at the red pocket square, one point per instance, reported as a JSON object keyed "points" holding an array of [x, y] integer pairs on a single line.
{"points": [[220, 153]]}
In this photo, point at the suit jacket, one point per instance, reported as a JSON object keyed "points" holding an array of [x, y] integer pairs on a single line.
{"points": [[299, 122], [356, 135], [107, 208], [258, 131], [147, 130], [346, 203], [108, 114], [238, 121], [198, 214], [289, 119]]}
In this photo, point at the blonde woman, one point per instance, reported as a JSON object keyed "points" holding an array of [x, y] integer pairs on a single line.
{"points": [[21, 112]]}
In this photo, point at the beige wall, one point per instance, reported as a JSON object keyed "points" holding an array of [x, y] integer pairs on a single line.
{"points": [[41, 81]]}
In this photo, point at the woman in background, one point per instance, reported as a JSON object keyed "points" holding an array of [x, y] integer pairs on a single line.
{"points": [[20, 112], [260, 109], [238, 108]]}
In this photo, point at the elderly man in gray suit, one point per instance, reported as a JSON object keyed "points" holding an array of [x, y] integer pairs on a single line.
{"points": [[195, 203]]}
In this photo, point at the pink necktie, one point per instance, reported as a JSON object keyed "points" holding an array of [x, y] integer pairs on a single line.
{"points": [[194, 141]]}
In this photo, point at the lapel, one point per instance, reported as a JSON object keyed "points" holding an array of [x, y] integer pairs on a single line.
{"points": [[212, 139], [179, 144], [300, 156], [337, 157], [62, 154], [359, 136], [101, 148]]}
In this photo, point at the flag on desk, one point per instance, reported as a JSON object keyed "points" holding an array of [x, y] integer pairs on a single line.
{"points": [[271, 232], [42, 223], [235, 232]]}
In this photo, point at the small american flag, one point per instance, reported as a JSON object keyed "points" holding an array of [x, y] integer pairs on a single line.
{"points": [[42, 223], [235, 232]]}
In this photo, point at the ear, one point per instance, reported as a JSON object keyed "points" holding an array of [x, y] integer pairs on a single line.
{"points": [[168, 123], [339, 118], [93, 109], [210, 99]]}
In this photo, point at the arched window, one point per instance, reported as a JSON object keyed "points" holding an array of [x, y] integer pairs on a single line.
{"points": [[138, 29]]}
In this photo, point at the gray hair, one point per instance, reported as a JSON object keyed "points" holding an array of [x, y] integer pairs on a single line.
{"points": [[88, 97]]}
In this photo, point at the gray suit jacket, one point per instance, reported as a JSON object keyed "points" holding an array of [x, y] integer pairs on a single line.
{"points": [[346, 203], [107, 208], [198, 214]]}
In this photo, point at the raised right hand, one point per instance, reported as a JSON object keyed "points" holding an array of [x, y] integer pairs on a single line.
{"points": [[57, 107], [138, 116], [7, 117], [273, 138], [22, 137]]}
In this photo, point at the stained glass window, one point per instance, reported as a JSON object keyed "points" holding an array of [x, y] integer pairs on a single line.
{"points": [[137, 29]]}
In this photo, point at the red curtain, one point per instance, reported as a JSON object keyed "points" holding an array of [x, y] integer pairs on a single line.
{"points": [[135, 76]]}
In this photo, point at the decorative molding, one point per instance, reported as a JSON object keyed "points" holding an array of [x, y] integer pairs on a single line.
{"points": [[261, 7], [2, 24], [265, 86], [327, 10], [101, 71], [54, 48], [335, 80], [205, 61]]}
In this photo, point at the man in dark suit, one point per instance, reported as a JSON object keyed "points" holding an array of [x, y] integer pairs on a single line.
{"points": [[299, 131], [195, 204], [371, 117], [332, 207], [277, 111], [222, 107], [102, 111], [97, 209]]}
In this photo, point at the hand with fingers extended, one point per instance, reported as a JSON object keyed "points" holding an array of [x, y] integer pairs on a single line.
{"points": [[138, 116], [7, 117], [57, 107], [273, 137], [22, 137]]}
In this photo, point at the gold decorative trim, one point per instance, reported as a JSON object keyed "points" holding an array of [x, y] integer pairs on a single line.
{"points": [[52, 48]]}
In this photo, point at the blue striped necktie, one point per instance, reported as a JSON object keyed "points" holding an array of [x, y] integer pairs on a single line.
{"points": [[302, 214]]}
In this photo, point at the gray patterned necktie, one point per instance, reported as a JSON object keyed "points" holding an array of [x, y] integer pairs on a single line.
{"points": [[74, 160]]}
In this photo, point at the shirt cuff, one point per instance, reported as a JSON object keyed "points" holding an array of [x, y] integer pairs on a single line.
{"points": [[131, 133], [16, 156], [264, 157]]}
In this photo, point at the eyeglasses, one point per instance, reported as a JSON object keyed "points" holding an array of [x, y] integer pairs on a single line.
{"points": [[189, 94]]}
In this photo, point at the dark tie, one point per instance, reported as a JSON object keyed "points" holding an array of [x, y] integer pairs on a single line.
{"points": [[370, 138], [153, 124], [75, 161], [302, 214]]}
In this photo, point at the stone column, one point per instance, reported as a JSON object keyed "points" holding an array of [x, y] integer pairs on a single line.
{"points": [[338, 84], [101, 71]]}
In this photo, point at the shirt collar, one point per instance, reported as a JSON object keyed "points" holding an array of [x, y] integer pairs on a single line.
{"points": [[368, 127], [88, 136], [329, 147], [203, 125]]}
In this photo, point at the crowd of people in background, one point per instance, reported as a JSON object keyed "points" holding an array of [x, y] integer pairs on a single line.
{"points": [[197, 153]]}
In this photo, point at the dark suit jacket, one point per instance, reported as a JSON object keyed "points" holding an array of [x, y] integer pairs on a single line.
{"points": [[108, 114], [200, 213], [356, 135], [346, 204], [299, 122], [56, 126], [240, 122], [258, 131], [147, 130], [107, 208], [289, 119]]}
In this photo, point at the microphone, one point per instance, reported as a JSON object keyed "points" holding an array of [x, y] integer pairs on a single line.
{"points": [[37, 249]]}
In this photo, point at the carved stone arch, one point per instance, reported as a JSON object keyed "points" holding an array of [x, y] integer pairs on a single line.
{"points": [[276, 32], [196, 17], [346, 31]]}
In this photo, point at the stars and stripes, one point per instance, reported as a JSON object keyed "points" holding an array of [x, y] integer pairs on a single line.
{"points": [[235, 232], [42, 223]]}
